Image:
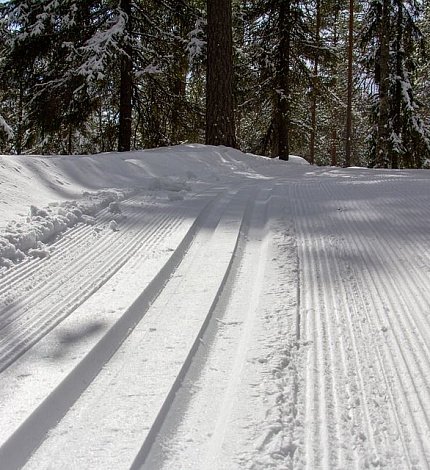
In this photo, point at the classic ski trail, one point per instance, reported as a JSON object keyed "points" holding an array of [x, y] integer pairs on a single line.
{"points": [[351, 281], [40, 385], [237, 407], [145, 372], [85, 269], [399, 291]]}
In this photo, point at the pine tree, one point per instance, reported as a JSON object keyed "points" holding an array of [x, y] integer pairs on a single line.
{"points": [[220, 123]]}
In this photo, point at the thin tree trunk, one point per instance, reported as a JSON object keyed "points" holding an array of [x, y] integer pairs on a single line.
{"points": [[126, 87], [333, 149], [220, 124], [19, 134], [314, 87], [334, 109], [283, 108], [398, 96], [348, 133], [383, 144]]}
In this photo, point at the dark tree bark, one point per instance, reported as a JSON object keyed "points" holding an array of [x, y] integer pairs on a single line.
{"points": [[314, 86], [398, 95], [348, 133], [283, 108], [179, 94], [333, 148], [334, 109], [126, 87], [220, 124], [383, 144]]}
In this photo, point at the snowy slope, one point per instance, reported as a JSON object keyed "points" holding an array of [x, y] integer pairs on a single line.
{"points": [[197, 308]]}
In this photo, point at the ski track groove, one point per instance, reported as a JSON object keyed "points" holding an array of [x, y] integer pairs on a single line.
{"points": [[97, 386], [322, 330], [22, 334], [353, 293], [19, 445], [72, 238], [407, 353], [347, 339], [28, 333], [221, 423], [326, 428], [228, 350], [73, 270]]}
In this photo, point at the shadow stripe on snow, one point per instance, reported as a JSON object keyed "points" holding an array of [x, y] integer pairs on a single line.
{"points": [[17, 448], [153, 359], [234, 262]]}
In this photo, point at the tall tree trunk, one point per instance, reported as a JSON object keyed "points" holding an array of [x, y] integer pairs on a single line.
{"points": [[333, 148], [334, 109], [348, 131], [126, 86], [220, 124], [314, 86], [383, 143], [398, 95], [179, 93], [283, 108], [19, 133]]}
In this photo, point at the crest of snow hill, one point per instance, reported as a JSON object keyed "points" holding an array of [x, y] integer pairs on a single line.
{"points": [[48, 195]]}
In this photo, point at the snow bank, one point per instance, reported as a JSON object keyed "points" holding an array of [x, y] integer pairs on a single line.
{"points": [[42, 225], [42, 196]]}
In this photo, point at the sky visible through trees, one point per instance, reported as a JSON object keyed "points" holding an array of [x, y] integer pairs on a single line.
{"points": [[338, 82]]}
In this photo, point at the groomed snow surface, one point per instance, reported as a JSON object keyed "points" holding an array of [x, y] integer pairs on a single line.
{"points": [[197, 308]]}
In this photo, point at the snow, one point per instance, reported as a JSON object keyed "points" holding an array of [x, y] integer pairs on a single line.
{"points": [[4, 126], [197, 307]]}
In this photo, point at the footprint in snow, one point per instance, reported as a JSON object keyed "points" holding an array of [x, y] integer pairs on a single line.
{"points": [[114, 226]]}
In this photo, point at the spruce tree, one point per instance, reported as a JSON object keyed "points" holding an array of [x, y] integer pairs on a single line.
{"points": [[400, 136]]}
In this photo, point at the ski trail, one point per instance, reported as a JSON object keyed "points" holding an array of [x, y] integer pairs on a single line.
{"points": [[378, 403], [220, 426], [322, 393], [141, 405], [405, 352], [41, 385], [237, 406], [26, 321]]}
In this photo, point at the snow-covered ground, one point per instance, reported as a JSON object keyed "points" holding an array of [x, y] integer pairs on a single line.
{"points": [[197, 308]]}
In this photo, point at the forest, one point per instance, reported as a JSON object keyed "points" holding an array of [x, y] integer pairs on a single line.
{"points": [[343, 83]]}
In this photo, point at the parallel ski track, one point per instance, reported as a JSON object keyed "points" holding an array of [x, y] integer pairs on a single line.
{"points": [[218, 364], [344, 310], [74, 237], [25, 322], [407, 350], [70, 384], [190, 279], [67, 254], [321, 425]]}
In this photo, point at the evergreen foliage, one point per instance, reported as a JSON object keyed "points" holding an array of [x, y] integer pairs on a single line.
{"points": [[81, 76], [394, 41]]}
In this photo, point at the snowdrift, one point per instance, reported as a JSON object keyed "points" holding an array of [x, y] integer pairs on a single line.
{"points": [[43, 196]]}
